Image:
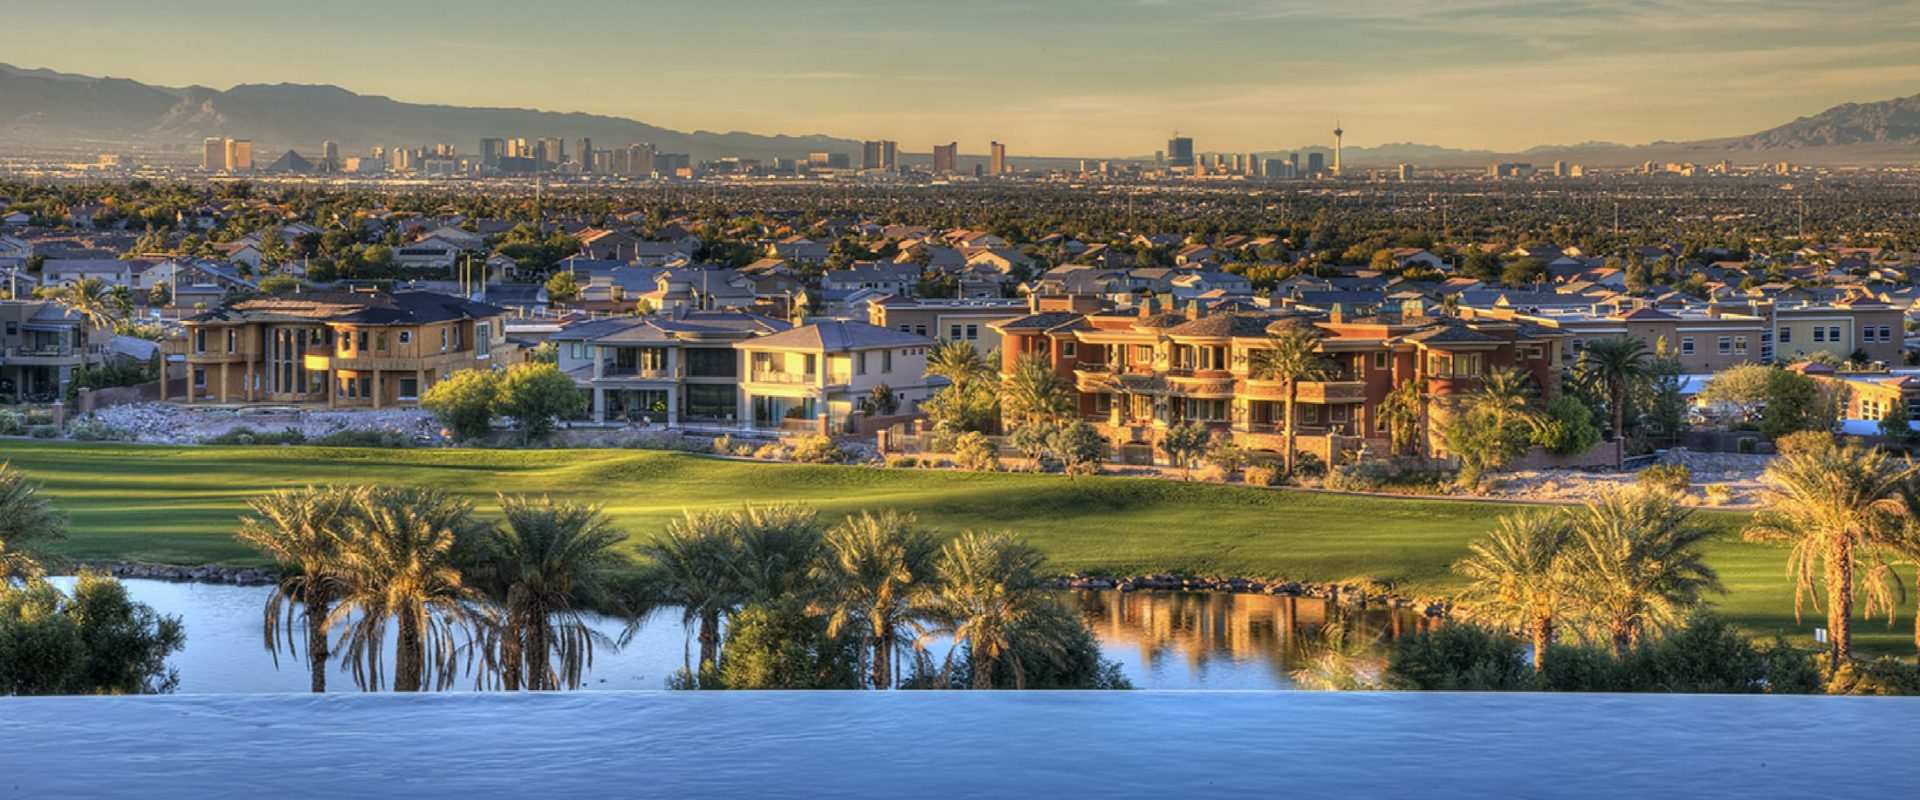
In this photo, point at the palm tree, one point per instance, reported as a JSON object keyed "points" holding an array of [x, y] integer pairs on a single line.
{"points": [[1034, 392], [1516, 577], [1619, 363], [989, 596], [1403, 411], [1903, 542], [1506, 395], [1831, 505], [693, 569], [958, 362], [872, 569], [300, 530], [27, 518], [548, 565], [1635, 566], [774, 547], [1291, 356], [399, 561], [92, 299]]}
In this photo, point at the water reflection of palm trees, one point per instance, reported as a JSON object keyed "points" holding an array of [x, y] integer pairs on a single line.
{"points": [[1278, 632]]}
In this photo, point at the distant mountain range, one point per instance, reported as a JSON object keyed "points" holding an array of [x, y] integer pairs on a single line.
{"points": [[52, 110]]}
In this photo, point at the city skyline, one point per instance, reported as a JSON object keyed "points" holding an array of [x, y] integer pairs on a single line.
{"points": [[1115, 83]]}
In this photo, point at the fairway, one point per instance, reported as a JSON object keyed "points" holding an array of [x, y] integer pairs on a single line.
{"points": [[180, 505]]}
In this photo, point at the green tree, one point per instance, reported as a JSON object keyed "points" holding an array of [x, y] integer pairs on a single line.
{"points": [[1184, 443], [1078, 446], [1403, 412], [161, 295], [1832, 505], [535, 395], [1635, 560], [1292, 355], [1567, 428], [94, 641], [1516, 580], [549, 565], [465, 402], [91, 299], [990, 592], [400, 563], [1523, 272], [300, 530], [874, 569], [1034, 392], [776, 644], [692, 568], [1896, 424], [1620, 363], [28, 520], [563, 287]]}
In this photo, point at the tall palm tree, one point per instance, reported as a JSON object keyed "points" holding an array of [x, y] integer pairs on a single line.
{"points": [[1292, 355], [400, 561], [1635, 564], [989, 597], [544, 568], [1831, 505], [870, 573], [1034, 392], [27, 518], [1903, 543], [300, 530], [1404, 412], [1619, 363], [693, 568], [92, 299], [1516, 577]]}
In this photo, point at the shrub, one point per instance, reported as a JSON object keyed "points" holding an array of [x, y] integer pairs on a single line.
{"points": [[44, 431], [1571, 668], [464, 403], [1228, 455], [246, 435], [1791, 671], [1458, 657], [12, 424], [1359, 476], [1308, 465], [902, 461], [1213, 473], [383, 439], [535, 395], [1261, 475], [817, 449], [723, 444], [1719, 494], [1669, 478], [1706, 656], [974, 451], [1568, 429], [771, 451], [1882, 676], [1803, 442], [743, 450], [94, 432], [1079, 448]]}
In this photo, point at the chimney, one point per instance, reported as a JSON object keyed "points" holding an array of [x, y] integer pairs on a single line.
{"points": [[1338, 314], [1193, 309]]}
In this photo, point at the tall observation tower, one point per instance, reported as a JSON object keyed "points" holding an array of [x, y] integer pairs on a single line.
{"points": [[1337, 132]]}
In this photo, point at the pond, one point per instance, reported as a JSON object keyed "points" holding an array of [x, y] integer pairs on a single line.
{"points": [[1162, 640]]}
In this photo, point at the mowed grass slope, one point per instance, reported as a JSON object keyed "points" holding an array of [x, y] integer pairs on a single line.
{"points": [[180, 505]]}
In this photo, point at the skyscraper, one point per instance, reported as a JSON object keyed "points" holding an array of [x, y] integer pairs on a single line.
{"points": [[1406, 173], [491, 150], [870, 154], [330, 151], [1316, 164], [946, 158], [999, 159], [239, 155], [213, 154], [1180, 151], [583, 154], [553, 152], [1337, 133]]}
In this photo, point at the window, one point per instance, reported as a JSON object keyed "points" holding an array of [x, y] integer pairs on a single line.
{"points": [[973, 332], [906, 328], [1726, 345], [953, 333], [1143, 353], [457, 344], [200, 341], [1819, 334], [13, 328], [380, 342], [1786, 335], [1740, 345], [1833, 334], [860, 363], [409, 388], [886, 361], [199, 379], [233, 341], [919, 330], [443, 340], [1886, 333], [1069, 349], [1686, 345], [406, 337], [363, 341], [483, 340], [1380, 360], [577, 350]]}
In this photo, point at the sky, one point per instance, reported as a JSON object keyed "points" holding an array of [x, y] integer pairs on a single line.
{"points": [[1053, 77]]}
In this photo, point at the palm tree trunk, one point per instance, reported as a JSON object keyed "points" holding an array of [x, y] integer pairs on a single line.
{"points": [[511, 664], [1620, 411], [534, 656], [1293, 392], [883, 663], [709, 640], [318, 605], [1542, 635], [1840, 605], [409, 655], [982, 671]]}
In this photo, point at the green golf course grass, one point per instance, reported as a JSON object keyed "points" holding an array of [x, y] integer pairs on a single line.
{"points": [[180, 505]]}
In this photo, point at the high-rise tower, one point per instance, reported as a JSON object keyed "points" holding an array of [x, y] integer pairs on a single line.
{"points": [[1337, 133]]}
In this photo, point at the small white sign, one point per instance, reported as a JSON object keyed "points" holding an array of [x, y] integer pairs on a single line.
{"points": [[1820, 635]]}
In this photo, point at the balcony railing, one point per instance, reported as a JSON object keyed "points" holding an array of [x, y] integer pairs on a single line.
{"points": [[53, 351], [650, 373]]}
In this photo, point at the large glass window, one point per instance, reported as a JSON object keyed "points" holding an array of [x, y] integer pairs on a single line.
{"points": [[711, 401], [712, 362]]}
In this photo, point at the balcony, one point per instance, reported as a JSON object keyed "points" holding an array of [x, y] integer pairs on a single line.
{"points": [[630, 372], [49, 353], [1313, 392], [780, 378]]}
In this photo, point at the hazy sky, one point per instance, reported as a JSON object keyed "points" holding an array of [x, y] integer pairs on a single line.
{"points": [[1071, 77]]}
